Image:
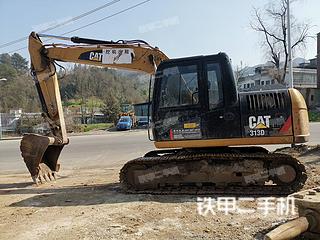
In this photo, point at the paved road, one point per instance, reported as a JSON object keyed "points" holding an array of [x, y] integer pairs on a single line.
{"points": [[108, 150], [87, 151]]}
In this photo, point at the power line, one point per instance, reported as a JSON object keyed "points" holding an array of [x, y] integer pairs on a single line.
{"points": [[110, 16], [61, 24], [17, 50], [97, 21]]}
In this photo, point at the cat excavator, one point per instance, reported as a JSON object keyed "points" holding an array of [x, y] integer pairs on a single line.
{"points": [[207, 135]]}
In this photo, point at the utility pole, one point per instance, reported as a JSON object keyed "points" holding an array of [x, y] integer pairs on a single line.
{"points": [[1, 79], [318, 60], [290, 71], [0, 127]]}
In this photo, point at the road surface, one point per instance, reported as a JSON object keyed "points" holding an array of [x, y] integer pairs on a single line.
{"points": [[86, 151], [105, 150]]}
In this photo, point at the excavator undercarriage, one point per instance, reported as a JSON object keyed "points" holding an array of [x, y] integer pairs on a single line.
{"points": [[229, 170]]}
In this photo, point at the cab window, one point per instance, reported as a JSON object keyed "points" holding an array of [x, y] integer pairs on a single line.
{"points": [[179, 86], [215, 95]]}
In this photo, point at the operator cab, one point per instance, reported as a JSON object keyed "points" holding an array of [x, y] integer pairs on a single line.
{"points": [[195, 98]]}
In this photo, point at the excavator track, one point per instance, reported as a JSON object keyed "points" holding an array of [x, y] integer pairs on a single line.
{"points": [[248, 171]]}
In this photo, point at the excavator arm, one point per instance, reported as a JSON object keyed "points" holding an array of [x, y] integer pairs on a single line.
{"points": [[41, 153]]}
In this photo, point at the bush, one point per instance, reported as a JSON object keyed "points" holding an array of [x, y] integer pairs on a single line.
{"points": [[97, 126], [314, 116]]}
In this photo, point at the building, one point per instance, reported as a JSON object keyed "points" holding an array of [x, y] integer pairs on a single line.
{"points": [[141, 109], [304, 79]]}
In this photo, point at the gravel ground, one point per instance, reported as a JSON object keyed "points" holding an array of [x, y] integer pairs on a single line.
{"points": [[89, 204]]}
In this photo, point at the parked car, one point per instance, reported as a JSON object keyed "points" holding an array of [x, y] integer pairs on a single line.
{"points": [[143, 122], [124, 123]]}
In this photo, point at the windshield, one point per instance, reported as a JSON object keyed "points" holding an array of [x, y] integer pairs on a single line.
{"points": [[144, 119], [179, 86], [124, 120]]}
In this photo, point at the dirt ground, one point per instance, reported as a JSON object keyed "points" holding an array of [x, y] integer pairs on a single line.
{"points": [[89, 204]]}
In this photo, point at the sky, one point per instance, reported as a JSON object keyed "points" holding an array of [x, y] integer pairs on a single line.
{"points": [[179, 28]]}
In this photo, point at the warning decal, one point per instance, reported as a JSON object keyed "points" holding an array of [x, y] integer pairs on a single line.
{"points": [[179, 134], [117, 56]]}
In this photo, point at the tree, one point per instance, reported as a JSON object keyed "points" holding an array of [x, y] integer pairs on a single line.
{"points": [[7, 71], [240, 71], [11, 66], [5, 58], [18, 91], [111, 108], [19, 62], [272, 24]]}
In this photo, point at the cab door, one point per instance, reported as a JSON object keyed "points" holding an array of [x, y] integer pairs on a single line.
{"points": [[221, 119], [178, 104]]}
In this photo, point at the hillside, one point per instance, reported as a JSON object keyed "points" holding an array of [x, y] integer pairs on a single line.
{"points": [[110, 88]]}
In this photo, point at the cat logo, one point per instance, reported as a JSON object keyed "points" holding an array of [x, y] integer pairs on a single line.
{"points": [[95, 56], [259, 122]]}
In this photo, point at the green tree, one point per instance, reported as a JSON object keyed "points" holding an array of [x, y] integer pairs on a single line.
{"points": [[84, 82], [111, 108], [5, 58], [19, 62], [7, 71], [18, 91]]}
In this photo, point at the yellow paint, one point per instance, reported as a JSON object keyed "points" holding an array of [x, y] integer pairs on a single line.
{"points": [[260, 126], [300, 116], [190, 125], [225, 142]]}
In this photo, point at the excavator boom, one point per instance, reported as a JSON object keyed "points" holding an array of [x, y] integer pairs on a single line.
{"points": [[41, 153]]}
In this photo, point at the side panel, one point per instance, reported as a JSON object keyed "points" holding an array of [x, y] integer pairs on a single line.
{"points": [[223, 122], [300, 117], [266, 114]]}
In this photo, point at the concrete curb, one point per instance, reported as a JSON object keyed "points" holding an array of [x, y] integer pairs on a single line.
{"points": [[94, 133], [11, 138]]}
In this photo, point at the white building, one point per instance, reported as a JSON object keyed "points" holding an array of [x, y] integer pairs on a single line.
{"points": [[304, 79]]}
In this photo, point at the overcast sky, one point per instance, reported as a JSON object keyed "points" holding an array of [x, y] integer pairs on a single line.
{"points": [[178, 27]]}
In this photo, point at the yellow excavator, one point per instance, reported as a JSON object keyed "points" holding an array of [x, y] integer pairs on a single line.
{"points": [[207, 134]]}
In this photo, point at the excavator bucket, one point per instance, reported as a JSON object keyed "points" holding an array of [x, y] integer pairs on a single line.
{"points": [[40, 156]]}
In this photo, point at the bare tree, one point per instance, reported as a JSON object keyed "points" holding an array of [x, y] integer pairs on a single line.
{"points": [[272, 24], [240, 71]]}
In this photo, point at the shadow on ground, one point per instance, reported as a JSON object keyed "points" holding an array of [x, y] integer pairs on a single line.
{"points": [[14, 185], [112, 129], [83, 195]]}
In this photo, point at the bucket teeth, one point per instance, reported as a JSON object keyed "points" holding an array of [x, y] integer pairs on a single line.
{"points": [[46, 173], [40, 157]]}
